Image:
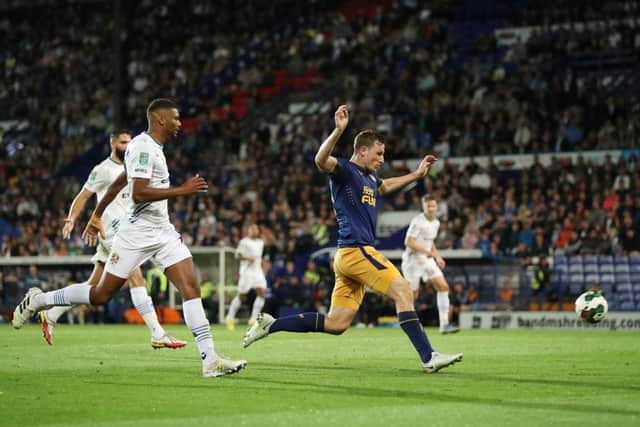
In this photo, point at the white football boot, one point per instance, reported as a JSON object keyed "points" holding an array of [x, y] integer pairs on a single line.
{"points": [[439, 361], [258, 330], [26, 309], [223, 367]]}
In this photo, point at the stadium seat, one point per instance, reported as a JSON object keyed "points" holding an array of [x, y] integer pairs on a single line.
{"points": [[591, 279], [607, 279], [622, 277], [606, 268], [622, 268], [591, 268], [576, 268], [607, 289], [575, 260], [623, 287], [621, 259], [605, 259], [560, 259], [561, 268], [591, 259], [634, 268], [627, 306]]}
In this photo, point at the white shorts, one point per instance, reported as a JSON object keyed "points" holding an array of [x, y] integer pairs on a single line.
{"points": [[103, 249], [134, 245], [420, 268], [250, 281]]}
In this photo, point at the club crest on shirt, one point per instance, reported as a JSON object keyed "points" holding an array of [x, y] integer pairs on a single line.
{"points": [[114, 258]]}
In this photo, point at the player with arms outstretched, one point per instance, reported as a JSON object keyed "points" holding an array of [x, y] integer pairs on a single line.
{"points": [[355, 186], [422, 261], [146, 234], [97, 184], [249, 252]]}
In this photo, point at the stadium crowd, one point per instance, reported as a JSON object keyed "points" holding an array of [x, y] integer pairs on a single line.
{"points": [[420, 90]]}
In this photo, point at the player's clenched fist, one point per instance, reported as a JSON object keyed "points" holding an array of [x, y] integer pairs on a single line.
{"points": [[195, 184]]}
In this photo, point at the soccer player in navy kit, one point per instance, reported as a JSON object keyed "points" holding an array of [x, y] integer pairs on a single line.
{"points": [[355, 185]]}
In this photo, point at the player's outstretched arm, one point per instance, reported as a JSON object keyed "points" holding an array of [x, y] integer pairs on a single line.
{"points": [[141, 192], [77, 206], [390, 185], [324, 160]]}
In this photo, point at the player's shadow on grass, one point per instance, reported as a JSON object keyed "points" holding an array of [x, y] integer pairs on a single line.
{"points": [[422, 396], [548, 382], [452, 375]]}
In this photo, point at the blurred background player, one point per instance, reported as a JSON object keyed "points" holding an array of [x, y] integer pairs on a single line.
{"points": [[249, 252], [147, 233], [355, 185], [97, 184], [421, 260]]}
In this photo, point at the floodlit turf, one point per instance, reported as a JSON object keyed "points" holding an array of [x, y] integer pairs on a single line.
{"points": [[110, 376]]}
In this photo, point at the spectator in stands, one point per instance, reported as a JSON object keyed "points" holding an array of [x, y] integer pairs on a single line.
{"points": [[540, 281]]}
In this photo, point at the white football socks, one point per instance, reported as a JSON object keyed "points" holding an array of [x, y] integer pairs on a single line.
{"points": [[197, 322], [258, 303], [443, 308], [144, 304], [234, 307], [71, 295]]}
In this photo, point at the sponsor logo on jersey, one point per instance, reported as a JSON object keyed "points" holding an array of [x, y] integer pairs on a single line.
{"points": [[368, 196], [144, 159]]}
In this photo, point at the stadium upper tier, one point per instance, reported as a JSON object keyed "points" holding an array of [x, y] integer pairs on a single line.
{"points": [[431, 80]]}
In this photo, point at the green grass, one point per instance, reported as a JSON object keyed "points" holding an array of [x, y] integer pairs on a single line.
{"points": [[110, 376]]}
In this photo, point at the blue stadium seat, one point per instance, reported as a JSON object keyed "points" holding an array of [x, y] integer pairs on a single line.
{"points": [[561, 268], [605, 259], [591, 268], [623, 277], [575, 260], [622, 268], [621, 259], [607, 279], [623, 288], [634, 268], [606, 268], [591, 259], [591, 279], [635, 278], [627, 306], [636, 288], [607, 288], [576, 268], [559, 259], [575, 288]]}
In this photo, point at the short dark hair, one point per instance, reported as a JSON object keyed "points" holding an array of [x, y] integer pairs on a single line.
{"points": [[119, 131], [429, 197], [366, 138], [161, 104]]}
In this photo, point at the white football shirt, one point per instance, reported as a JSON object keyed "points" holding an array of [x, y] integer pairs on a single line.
{"points": [[101, 177], [250, 248], [424, 231], [145, 158]]}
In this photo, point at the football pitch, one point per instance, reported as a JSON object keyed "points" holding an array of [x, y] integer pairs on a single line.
{"points": [[109, 376]]}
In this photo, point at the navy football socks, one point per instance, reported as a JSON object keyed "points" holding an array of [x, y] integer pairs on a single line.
{"points": [[412, 327]]}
